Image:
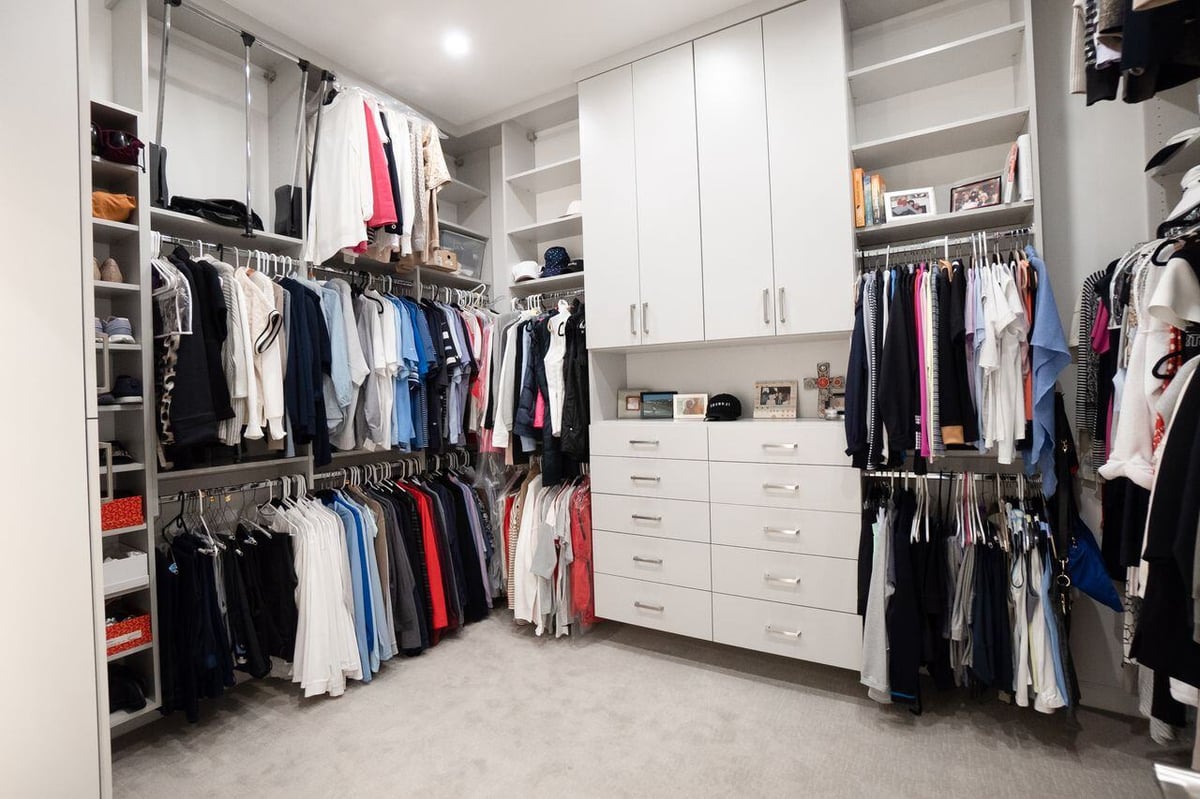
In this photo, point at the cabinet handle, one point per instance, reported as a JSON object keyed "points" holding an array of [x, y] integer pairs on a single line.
{"points": [[639, 442], [766, 306], [648, 606], [641, 518], [646, 318], [780, 487], [781, 446], [773, 630], [782, 308], [633, 319], [781, 531], [651, 561], [771, 578], [637, 478]]}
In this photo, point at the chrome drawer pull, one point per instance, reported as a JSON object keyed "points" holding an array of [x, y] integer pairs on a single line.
{"points": [[780, 631], [640, 518], [642, 479], [780, 487], [780, 531], [771, 578], [651, 561], [781, 446], [647, 606], [635, 442]]}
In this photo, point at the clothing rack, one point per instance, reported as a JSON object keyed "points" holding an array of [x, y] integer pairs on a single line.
{"points": [[892, 475], [167, 499], [528, 302], [409, 466], [285, 262], [369, 277], [946, 242]]}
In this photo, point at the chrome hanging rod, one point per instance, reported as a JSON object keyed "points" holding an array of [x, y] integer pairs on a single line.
{"points": [[221, 248], [238, 29], [359, 273], [945, 242], [164, 499], [886, 475]]}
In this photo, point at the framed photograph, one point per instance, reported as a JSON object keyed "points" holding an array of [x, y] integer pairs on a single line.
{"points": [[658, 404], [979, 194], [909, 203], [629, 403], [777, 399], [691, 407]]}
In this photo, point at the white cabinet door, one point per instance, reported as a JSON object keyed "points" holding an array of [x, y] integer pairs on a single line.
{"points": [[735, 184], [607, 168], [668, 199], [809, 134]]}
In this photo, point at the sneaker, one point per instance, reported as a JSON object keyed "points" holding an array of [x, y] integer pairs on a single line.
{"points": [[96, 270], [126, 391], [100, 334], [119, 330], [111, 271]]}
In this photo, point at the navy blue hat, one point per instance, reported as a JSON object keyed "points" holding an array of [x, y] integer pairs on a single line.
{"points": [[723, 408], [556, 261]]}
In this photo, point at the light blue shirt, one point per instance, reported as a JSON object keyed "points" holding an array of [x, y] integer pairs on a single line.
{"points": [[1050, 356]]}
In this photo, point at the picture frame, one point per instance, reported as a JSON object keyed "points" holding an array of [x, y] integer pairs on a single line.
{"points": [[982, 193], [629, 403], [658, 404], [909, 204], [776, 399], [690, 407]]}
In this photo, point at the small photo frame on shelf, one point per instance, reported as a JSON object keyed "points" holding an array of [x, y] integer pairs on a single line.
{"points": [[658, 404], [909, 203], [776, 399], [629, 403], [691, 407], [977, 194]]}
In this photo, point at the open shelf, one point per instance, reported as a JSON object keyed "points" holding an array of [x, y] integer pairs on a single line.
{"points": [[146, 647], [861, 13], [550, 230], [547, 284], [127, 587], [957, 137], [185, 226], [111, 169], [463, 229], [964, 58], [456, 191], [129, 406], [114, 116], [120, 347], [557, 175], [107, 288], [107, 231], [137, 528], [1011, 215], [119, 717], [123, 468], [231, 468], [435, 277]]}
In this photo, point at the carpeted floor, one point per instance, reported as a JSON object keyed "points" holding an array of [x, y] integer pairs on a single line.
{"points": [[623, 712]]}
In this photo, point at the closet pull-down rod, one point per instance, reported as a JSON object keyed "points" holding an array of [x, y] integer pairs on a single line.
{"points": [[229, 26]]}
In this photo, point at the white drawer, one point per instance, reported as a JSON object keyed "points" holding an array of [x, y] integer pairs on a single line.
{"points": [[806, 487], [664, 518], [820, 636], [647, 477], [829, 583], [681, 440], [804, 532], [659, 560], [669, 608], [765, 441]]}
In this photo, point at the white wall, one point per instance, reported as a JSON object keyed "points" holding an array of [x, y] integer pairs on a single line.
{"points": [[51, 737]]}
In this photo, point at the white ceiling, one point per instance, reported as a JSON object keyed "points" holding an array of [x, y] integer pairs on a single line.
{"points": [[521, 49]]}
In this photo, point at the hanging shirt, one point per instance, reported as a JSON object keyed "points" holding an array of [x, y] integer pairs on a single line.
{"points": [[342, 199]]}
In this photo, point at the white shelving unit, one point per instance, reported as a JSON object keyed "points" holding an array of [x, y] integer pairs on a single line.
{"points": [[954, 137], [457, 192], [556, 175], [560, 228], [1011, 215], [543, 285], [186, 226]]}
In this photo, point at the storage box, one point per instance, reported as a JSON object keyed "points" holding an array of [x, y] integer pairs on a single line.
{"points": [[122, 512], [129, 634], [469, 251], [443, 261], [124, 567]]}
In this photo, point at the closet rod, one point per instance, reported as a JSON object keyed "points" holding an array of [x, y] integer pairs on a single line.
{"points": [[238, 29], [165, 499], [404, 282], [944, 241], [950, 476], [221, 248]]}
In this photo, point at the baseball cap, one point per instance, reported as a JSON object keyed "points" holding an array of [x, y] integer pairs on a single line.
{"points": [[574, 207], [556, 261], [526, 270], [1172, 146], [1191, 195], [723, 408]]}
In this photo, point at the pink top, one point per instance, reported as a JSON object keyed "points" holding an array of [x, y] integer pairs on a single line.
{"points": [[1100, 338], [381, 179]]}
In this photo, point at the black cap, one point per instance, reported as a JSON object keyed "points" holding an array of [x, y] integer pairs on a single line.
{"points": [[723, 408]]}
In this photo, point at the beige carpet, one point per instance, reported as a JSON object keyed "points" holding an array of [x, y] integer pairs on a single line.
{"points": [[623, 712]]}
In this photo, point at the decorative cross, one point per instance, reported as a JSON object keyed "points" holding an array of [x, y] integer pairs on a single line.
{"points": [[825, 386]]}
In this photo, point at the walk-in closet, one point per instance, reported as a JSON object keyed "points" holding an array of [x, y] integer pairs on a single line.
{"points": [[601, 399]]}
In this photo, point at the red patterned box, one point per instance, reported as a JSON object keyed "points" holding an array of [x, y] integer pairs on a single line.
{"points": [[128, 634], [122, 512]]}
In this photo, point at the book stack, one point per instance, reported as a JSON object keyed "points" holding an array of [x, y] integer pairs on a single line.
{"points": [[869, 208]]}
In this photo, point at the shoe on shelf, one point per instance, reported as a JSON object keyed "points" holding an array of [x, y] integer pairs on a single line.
{"points": [[100, 332], [106, 399], [111, 271], [96, 270], [119, 330], [126, 391]]}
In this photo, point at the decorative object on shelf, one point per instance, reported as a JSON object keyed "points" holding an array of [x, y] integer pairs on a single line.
{"points": [[909, 203], [112, 207], [869, 191], [691, 407], [724, 408], [776, 399], [629, 403], [658, 404], [827, 387], [977, 194]]}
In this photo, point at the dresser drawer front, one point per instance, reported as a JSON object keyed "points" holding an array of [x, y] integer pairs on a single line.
{"points": [[659, 560], [678, 440], [820, 636], [827, 583], [803, 532], [663, 518], [684, 611], [649, 477], [778, 486], [815, 443]]}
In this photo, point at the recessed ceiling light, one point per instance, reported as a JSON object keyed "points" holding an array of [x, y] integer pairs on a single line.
{"points": [[456, 43]]}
